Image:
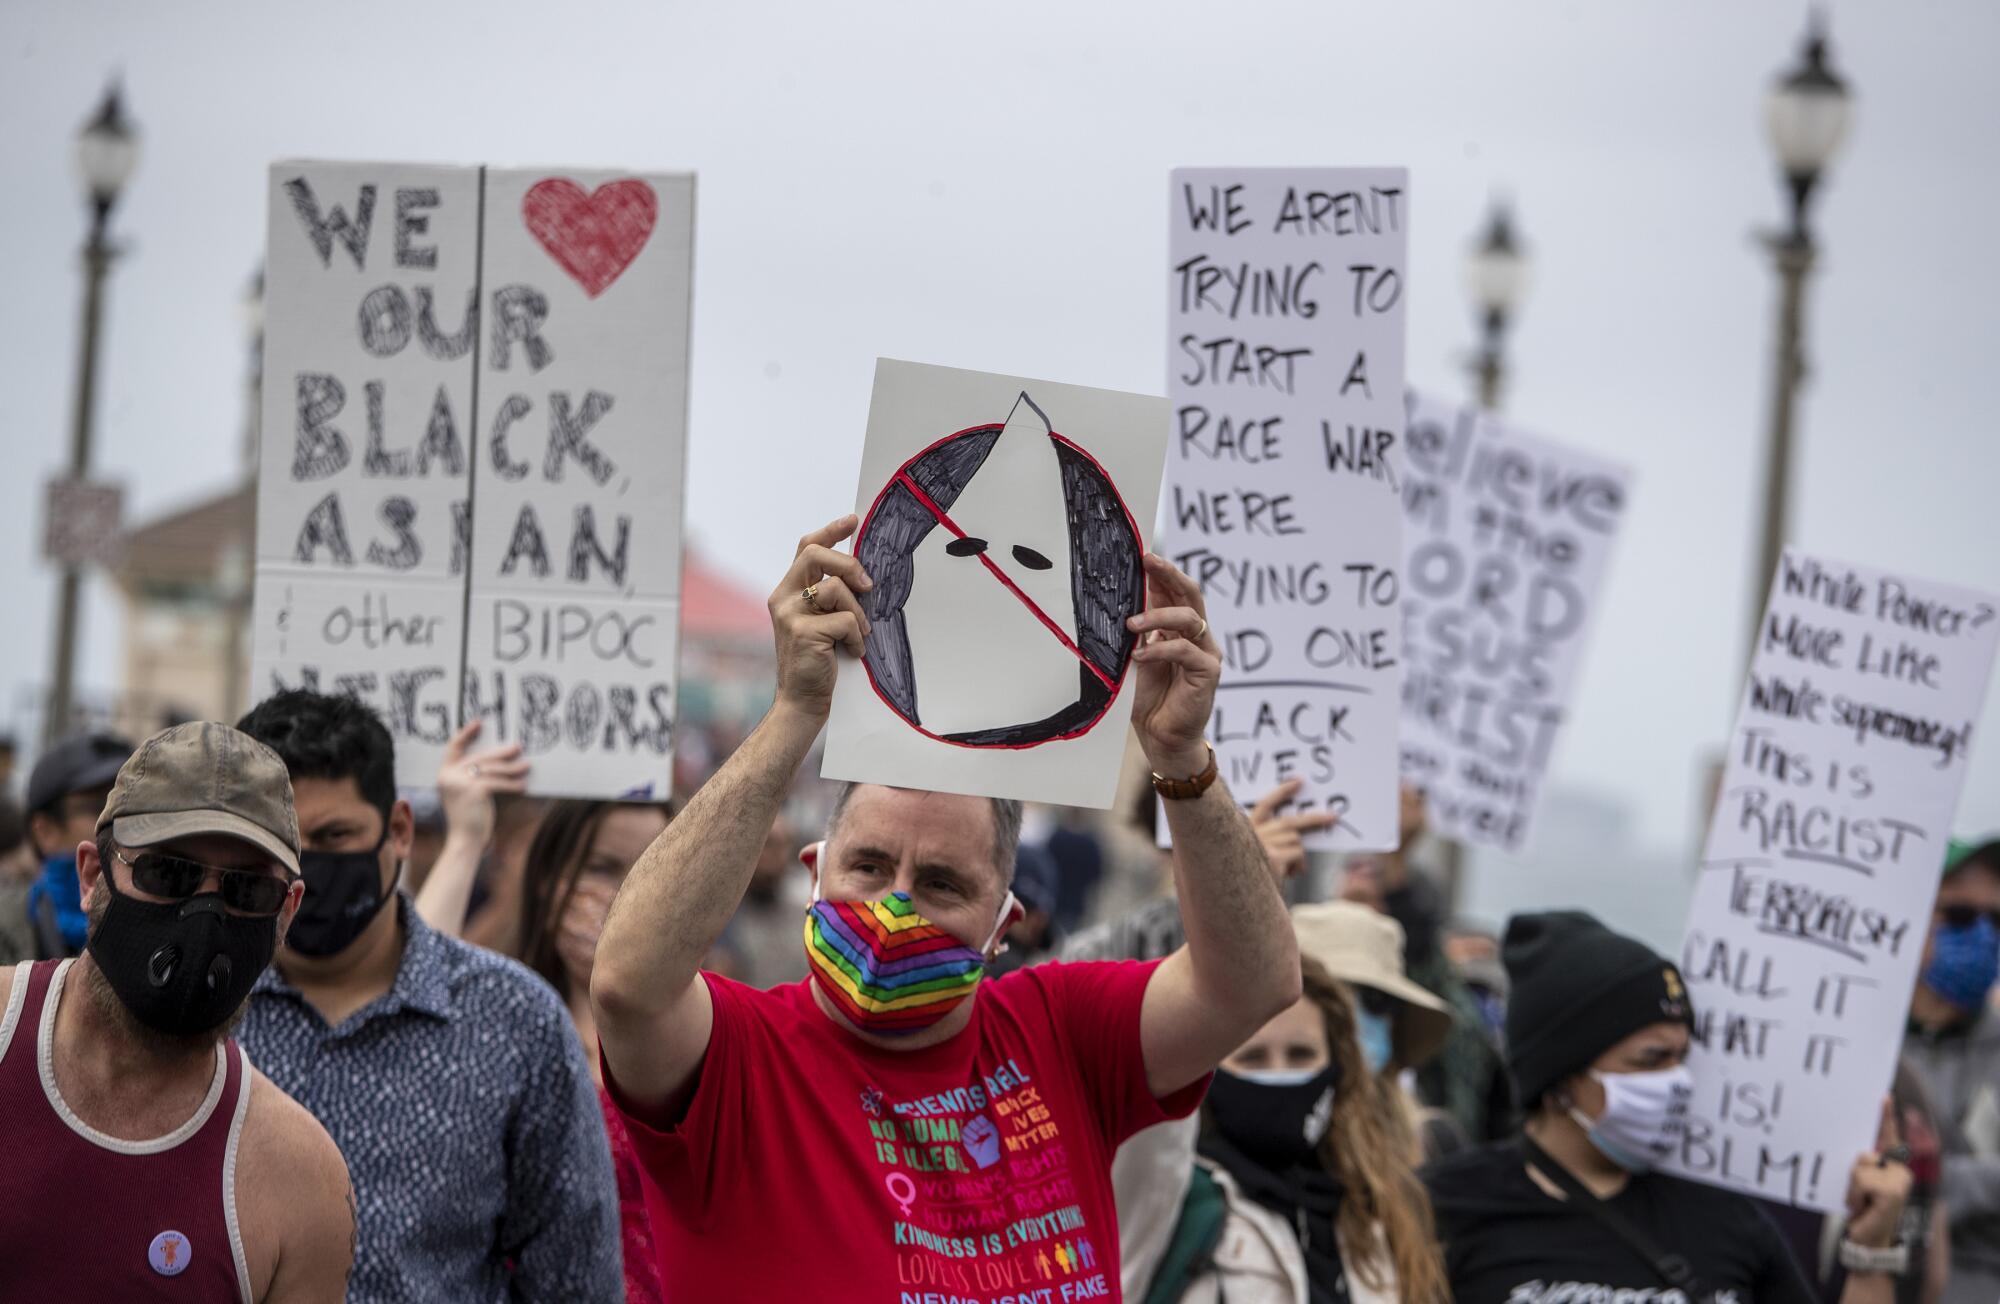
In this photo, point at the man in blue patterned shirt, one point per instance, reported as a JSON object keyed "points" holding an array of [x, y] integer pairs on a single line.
{"points": [[449, 1076]]}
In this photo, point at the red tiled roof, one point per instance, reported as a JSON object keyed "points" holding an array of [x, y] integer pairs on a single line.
{"points": [[716, 607]]}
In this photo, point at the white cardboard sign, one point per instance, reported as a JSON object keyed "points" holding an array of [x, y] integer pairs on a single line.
{"points": [[1811, 913], [1507, 538], [1285, 363], [469, 498], [1003, 521]]}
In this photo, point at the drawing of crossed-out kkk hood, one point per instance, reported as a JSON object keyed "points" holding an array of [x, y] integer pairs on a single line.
{"points": [[1005, 565]]}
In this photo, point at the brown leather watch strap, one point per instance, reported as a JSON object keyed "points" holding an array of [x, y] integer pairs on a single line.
{"points": [[1182, 789]]}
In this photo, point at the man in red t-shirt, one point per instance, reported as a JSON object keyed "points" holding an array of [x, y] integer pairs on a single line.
{"points": [[893, 1130]]}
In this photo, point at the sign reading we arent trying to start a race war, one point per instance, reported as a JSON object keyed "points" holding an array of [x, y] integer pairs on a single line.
{"points": [[1285, 368], [469, 499], [1814, 901]]}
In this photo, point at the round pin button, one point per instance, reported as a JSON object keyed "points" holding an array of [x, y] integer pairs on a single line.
{"points": [[169, 1254]]}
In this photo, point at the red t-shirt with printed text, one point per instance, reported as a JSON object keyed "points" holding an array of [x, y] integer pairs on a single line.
{"points": [[978, 1171]]}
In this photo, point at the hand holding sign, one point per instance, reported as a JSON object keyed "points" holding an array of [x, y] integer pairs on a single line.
{"points": [[467, 784], [1179, 665], [1879, 1188], [813, 611]]}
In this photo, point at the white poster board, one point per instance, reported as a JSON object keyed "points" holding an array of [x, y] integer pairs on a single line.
{"points": [[1003, 521], [1285, 369], [576, 528], [1506, 540], [371, 283], [1810, 916], [443, 347]]}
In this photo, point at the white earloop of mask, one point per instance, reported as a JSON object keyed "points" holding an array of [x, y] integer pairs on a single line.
{"points": [[818, 867], [1006, 908]]}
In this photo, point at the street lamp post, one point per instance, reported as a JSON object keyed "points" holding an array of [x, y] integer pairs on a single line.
{"points": [[1496, 271], [1807, 114], [106, 150], [235, 571]]}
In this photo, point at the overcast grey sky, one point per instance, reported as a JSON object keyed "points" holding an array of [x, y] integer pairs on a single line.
{"points": [[983, 186]]}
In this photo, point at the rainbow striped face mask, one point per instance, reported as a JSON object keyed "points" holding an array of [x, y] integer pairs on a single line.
{"points": [[888, 969]]}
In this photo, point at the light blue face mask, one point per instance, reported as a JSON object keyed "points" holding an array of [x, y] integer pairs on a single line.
{"points": [[1378, 1039]]}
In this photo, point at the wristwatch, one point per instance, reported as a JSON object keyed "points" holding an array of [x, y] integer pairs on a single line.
{"points": [[1182, 789], [1866, 1258]]}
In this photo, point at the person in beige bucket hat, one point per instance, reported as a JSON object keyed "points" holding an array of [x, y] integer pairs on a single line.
{"points": [[125, 1104], [1402, 1025]]}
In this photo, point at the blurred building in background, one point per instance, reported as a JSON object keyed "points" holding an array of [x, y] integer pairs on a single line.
{"points": [[184, 589]]}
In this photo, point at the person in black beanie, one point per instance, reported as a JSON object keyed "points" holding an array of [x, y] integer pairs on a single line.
{"points": [[1598, 1027]]}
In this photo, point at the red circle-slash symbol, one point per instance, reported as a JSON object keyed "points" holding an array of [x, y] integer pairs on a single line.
{"points": [[593, 236], [1107, 587]]}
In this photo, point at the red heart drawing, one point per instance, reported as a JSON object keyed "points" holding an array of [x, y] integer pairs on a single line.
{"points": [[596, 236]]}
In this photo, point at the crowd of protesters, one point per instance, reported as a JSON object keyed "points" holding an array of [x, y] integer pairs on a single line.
{"points": [[327, 1041]]}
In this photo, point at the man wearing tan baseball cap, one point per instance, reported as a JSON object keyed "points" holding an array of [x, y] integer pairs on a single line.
{"points": [[128, 1109]]}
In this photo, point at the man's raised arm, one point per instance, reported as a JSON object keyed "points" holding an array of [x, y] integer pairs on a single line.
{"points": [[1240, 967], [653, 1011]]}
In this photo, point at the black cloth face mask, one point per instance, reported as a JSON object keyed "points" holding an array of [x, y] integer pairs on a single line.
{"points": [[1274, 1118], [180, 967], [344, 893]]}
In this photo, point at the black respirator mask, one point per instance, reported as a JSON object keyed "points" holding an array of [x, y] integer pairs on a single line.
{"points": [[180, 967]]}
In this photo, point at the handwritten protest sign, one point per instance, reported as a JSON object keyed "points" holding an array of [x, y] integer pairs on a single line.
{"points": [[371, 281], [1002, 520], [474, 379], [576, 532], [1506, 543], [1810, 916], [1285, 349]]}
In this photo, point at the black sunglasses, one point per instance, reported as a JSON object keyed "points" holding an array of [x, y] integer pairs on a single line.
{"points": [[1967, 916], [246, 891]]}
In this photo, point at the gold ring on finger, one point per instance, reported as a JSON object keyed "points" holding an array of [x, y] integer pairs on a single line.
{"points": [[811, 594]]}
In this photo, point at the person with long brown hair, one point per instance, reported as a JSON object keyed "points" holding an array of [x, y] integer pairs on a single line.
{"points": [[1303, 1187], [580, 854]]}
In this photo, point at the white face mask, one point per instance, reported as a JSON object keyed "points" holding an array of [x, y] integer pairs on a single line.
{"points": [[1644, 1115]]}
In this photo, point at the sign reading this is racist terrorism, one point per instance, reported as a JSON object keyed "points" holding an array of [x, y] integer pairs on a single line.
{"points": [[1814, 902]]}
